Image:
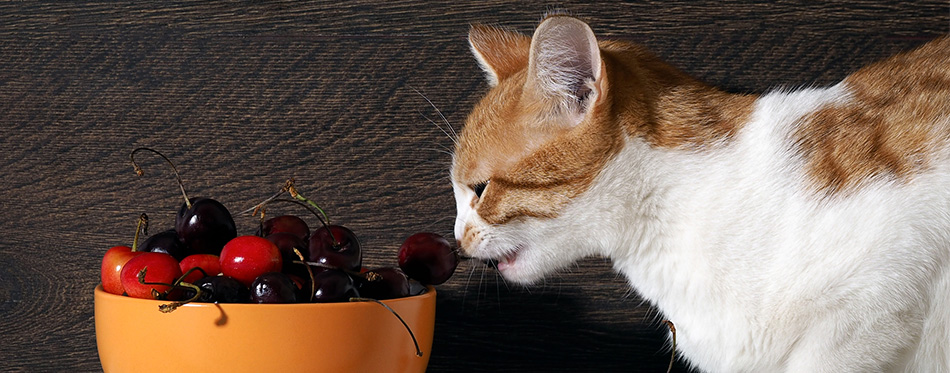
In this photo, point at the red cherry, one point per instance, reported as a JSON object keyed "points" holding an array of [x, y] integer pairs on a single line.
{"points": [[160, 268], [428, 258], [246, 257], [112, 263], [209, 263]]}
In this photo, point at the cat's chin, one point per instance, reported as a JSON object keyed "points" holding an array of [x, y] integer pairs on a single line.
{"points": [[518, 267]]}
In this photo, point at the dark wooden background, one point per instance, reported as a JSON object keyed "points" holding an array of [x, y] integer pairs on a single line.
{"points": [[246, 94]]}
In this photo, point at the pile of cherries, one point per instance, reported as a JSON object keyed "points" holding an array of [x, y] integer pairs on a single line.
{"points": [[202, 259]]}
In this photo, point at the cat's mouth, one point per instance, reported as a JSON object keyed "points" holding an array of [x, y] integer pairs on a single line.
{"points": [[508, 260]]}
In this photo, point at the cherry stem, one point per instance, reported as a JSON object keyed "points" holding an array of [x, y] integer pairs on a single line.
{"points": [[669, 324], [311, 209], [140, 172], [408, 329], [313, 284], [260, 206], [169, 307], [142, 226], [333, 240], [181, 279], [298, 199], [180, 282], [316, 264], [155, 293], [293, 193]]}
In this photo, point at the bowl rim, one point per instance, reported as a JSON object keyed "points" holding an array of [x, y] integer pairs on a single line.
{"points": [[429, 293]]}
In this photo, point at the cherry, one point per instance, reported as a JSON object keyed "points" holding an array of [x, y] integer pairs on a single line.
{"points": [[428, 258], [303, 286], [383, 283], [286, 243], [166, 242], [273, 287], [247, 257], [161, 270], [210, 264], [333, 285], [222, 289], [336, 246], [116, 257], [286, 224], [112, 263], [205, 225]]}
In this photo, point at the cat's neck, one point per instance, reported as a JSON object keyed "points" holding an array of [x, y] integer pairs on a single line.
{"points": [[674, 241], [665, 106]]}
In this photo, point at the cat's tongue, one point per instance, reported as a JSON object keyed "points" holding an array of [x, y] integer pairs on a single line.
{"points": [[507, 261]]}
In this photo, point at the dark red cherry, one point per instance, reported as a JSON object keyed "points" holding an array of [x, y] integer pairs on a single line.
{"points": [[383, 283], [286, 243], [222, 289], [286, 224], [273, 287], [336, 246], [333, 285], [205, 226], [165, 242], [303, 287], [428, 258]]}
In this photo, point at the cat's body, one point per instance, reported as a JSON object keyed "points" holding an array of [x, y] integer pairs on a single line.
{"points": [[795, 231]]}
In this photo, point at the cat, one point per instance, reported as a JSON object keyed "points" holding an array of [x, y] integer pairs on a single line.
{"points": [[797, 230]]}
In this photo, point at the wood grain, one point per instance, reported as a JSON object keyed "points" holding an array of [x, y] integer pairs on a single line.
{"points": [[246, 94]]}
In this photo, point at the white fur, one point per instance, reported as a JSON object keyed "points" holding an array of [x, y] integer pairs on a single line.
{"points": [[758, 272]]}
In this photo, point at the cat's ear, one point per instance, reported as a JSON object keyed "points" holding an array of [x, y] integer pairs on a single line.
{"points": [[499, 52], [565, 69]]}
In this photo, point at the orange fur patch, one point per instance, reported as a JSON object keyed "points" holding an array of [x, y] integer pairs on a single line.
{"points": [[506, 52], [666, 107], [898, 114]]}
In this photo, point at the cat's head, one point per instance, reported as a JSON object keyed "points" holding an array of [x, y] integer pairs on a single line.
{"points": [[532, 146]]}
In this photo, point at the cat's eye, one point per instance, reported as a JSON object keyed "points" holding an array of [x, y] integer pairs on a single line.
{"points": [[479, 188]]}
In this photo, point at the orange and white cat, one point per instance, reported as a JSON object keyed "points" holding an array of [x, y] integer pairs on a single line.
{"points": [[798, 231]]}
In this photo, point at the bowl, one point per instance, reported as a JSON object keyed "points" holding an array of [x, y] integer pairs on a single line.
{"points": [[134, 336]]}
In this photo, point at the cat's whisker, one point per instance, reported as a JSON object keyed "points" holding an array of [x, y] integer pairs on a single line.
{"points": [[497, 291], [455, 135], [468, 281], [443, 146], [478, 295], [446, 178], [451, 133], [443, 151]]}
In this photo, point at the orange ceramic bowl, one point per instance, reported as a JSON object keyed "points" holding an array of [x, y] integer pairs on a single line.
{"points": [[133, 336]]}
